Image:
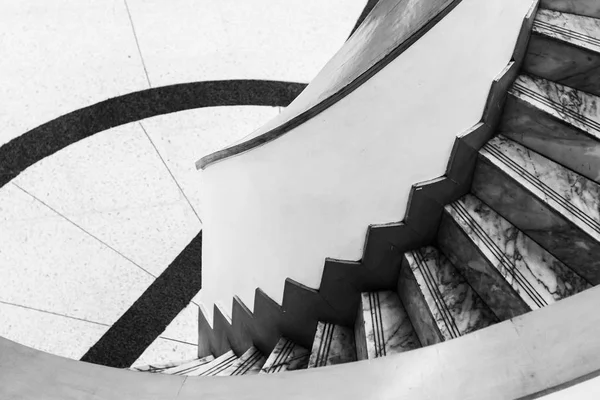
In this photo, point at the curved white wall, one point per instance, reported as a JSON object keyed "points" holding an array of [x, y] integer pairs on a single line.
{"points": [[278, 210]]}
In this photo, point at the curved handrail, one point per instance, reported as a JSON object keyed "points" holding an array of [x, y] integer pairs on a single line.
{"points": [[533, 354], [388, 30], [45, 140]]}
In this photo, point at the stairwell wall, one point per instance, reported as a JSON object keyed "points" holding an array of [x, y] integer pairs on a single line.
{"points": [[278, 210]]}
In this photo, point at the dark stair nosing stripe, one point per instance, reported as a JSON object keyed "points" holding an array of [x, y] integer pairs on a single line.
{"points": [[257, 357], [436, 294], [249, 362], [379, 316], [545, 189], [558, 107], [220, 367], [567, 32], [329, 342], [281, 358], [505, 262]]}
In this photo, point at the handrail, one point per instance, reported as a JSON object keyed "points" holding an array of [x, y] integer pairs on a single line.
{"points": [[535, 353], [388, 30], [46, 139]]}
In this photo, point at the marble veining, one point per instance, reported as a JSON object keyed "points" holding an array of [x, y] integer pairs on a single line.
{"points": [[388, 329], [154, 368], [573, 196], [537, 276], [508, 194], [216, 366], [333, 344], [479, 272], [249, 363], [286, 356], [578, 30], [185, 368], [577, 108], [551, 137], [454, 305]]}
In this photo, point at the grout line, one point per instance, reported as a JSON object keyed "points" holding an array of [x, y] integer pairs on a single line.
{"points": [[137, 43], [170, 172], [178, 341], [52, 313], [90, 234]]}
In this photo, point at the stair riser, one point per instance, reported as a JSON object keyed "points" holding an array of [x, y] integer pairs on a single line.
{"points": [[333, 345], [412, 298], [563, 63], [589, 8], [387, 328], [495, 291], [537, 220], [551, 137]]}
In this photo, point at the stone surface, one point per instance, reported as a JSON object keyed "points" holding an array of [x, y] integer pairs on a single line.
{"points": [[216, 366], [187, 367], [554, 206], [557, 121], [286, 356], [250, 363], [439, 301], [333, 344], [383, 327], [538, 277]]}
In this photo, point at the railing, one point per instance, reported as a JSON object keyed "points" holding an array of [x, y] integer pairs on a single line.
{"points": [[389, 29]]}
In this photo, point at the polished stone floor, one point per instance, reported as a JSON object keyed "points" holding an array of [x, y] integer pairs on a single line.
{"points": [[84, 232]]}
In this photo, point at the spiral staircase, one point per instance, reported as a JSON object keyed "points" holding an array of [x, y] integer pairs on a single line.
{"points": [[513, 227], [526, 235]]}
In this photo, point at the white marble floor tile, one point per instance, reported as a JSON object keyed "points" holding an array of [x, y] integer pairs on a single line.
{"points": [[114, 186], [54, 334], [164, 350], [185, 40], [185, 326], [49, 264], [183, 138], [60, 56]]}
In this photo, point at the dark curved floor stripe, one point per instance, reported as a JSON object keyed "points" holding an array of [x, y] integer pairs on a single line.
{"points": [[368, 7], [149, 316], [173, 290], [45, 140]]}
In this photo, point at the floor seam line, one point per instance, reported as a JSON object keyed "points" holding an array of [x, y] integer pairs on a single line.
{"points": [[169, 170], [137, 43], [52, 313], [85, 231]]}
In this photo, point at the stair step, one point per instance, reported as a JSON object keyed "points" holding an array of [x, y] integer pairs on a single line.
{"points": [[440, 303], [216, 366], [286, 356], [553, 205], [565, 48], [249, 363], [520, 275], [382, 326], [155, 368], [185, 368], [556, 121], [333, 344]]}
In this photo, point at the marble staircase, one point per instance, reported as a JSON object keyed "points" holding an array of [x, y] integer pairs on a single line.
{"points": [[525, 235]]}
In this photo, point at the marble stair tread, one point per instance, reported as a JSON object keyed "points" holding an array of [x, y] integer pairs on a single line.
{"points": [[382, 326], [154, 368], [333, 344], [190, 366], [568, 193], [215, 366], [565, 48], [440, 302], [249, 363], [286, 356], [533, 273], [557, 121], [575, 29]]}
